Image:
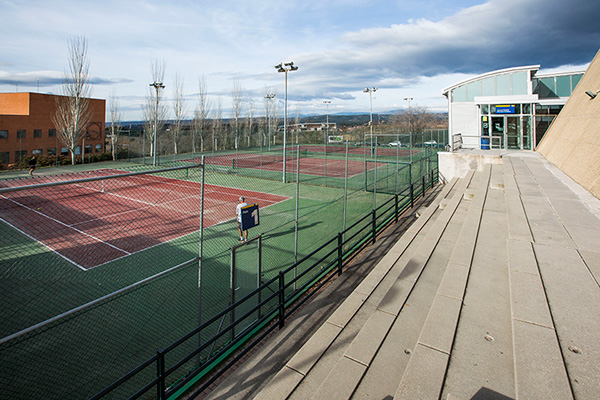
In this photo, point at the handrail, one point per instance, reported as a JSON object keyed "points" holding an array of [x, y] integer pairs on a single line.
{"points": [[276, 315], [494, 142]]}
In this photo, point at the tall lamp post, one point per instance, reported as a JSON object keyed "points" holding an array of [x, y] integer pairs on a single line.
{"points": [[327, 103], [409, 99], [269, 97], [370, 91], [285, 67], [157, 86]]}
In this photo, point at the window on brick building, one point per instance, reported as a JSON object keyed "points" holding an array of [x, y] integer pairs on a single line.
{"points": [[51, 132], [21, 133], [4, 157], [3, 134], [98, 148], [51, 151], [20, 154], [37, 133], [36, 152]]}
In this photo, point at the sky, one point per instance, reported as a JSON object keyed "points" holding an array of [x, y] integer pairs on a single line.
{"points": [[404, 48]]}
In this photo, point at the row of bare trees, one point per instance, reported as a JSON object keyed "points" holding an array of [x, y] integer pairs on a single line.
{"points": [[208, 128]]}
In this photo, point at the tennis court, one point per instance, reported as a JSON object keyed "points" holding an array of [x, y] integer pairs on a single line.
{"points": [[331, 167], [93, 223]]}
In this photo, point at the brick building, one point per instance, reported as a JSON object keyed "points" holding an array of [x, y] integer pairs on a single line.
{"points": [[26, 127]]}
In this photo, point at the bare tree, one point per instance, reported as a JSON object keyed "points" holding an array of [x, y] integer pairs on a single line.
{"points": [[275, 119], [73, 110], [297, 123], [236, 110], [115, 116], [201, 115], [217, 126], [155, 113], [415, 119], [249, 118], [178, 111]]}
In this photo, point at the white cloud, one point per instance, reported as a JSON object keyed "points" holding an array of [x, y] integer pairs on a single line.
{"points": [[342, 46]]}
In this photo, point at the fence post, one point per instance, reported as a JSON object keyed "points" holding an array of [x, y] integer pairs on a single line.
{"points": [[374, 225], [160, 374], [340, 243], [281, 300], [396, 206], [423, 179], [412, 197]]}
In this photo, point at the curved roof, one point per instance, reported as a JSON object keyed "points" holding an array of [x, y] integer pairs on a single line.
{"points": [[492, 73]]}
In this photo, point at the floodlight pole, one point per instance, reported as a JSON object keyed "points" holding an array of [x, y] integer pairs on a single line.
{"points": [[370, 91], [327, 103], [409, 99], [156, 85], [285, 67], [409, 127], [269, 97]]}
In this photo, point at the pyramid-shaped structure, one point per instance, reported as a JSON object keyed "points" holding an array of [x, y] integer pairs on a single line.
{"points": [[572, 142]]}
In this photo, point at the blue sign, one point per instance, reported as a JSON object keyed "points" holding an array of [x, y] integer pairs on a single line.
{"points": [[505, 109], [250, 217]]}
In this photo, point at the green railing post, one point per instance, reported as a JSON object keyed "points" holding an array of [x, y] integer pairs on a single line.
{"points": [[281, 300], [396, 206], [340, 243], [160, 374], [423, 193], [412, 196]]}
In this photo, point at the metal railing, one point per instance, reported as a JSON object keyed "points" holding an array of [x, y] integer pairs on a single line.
{"points": [[481, 142], [278, 297]]}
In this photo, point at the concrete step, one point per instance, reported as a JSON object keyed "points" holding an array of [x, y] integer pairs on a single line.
{"points": [[348, 371], [481, 354], [540, 372], [574, 300], [302, 362], [426, 370]]}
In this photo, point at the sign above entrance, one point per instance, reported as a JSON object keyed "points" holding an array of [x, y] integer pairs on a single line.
{"points": [[503, 109]]}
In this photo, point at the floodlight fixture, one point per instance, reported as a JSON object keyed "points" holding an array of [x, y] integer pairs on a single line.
{"points": [[156, 85], [592, 94]]}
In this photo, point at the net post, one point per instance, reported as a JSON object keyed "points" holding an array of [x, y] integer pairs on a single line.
{"points": [[200, 254], [232, 292], [345, 189], [297, 206]]}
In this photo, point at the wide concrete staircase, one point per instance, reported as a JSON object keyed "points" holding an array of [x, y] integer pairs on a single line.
{"points": [[492, 293]]}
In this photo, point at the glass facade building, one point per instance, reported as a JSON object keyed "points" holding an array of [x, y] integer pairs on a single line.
{"points": [[508, 109]]}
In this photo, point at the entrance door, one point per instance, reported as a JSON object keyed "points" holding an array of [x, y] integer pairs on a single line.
{"points": [[513, 132], [497, 139]]}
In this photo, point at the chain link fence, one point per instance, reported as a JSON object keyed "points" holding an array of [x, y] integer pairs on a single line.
{"points": [[100, 269]]}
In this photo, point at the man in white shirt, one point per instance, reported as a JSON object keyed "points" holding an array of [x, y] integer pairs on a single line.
{"points": [[238, 211]]}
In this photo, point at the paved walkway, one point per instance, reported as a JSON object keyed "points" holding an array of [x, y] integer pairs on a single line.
{"points": [[492, 293]]}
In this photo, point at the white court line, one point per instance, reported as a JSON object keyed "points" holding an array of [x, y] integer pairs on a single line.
{"points": [[209, 188], [43, 244], [65, 225]]}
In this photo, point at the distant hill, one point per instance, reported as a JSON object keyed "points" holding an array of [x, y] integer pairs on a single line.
{"points": [[350, 119]]}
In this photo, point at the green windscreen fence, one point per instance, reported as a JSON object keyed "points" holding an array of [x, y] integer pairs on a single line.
{"points": [[101, 268]]}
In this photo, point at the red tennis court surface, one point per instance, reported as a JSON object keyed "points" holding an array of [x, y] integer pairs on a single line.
{"points": [[335, 168], [93, 223]]}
